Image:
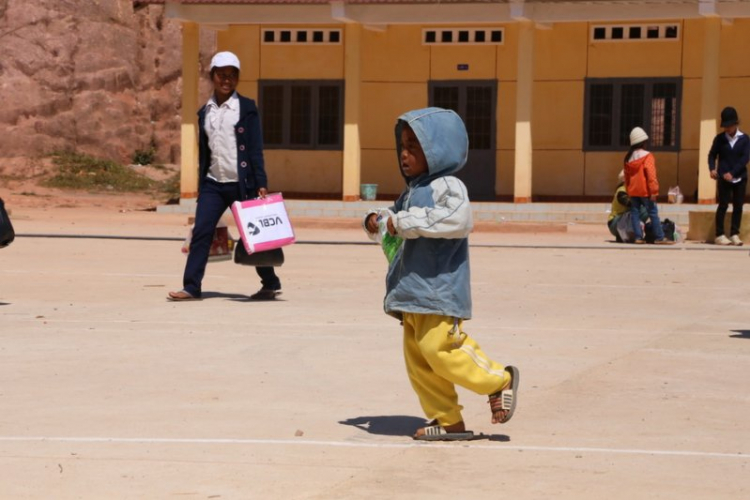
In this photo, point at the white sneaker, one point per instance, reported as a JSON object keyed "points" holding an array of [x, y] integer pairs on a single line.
{"points": [[722, 240], [736, 241]]}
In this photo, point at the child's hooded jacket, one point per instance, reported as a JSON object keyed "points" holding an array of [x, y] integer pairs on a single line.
{"points": [[430, 273], [640, 175]]}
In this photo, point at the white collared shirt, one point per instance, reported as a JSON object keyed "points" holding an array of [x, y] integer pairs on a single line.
{"points": [[219, 127], [732, 142]]}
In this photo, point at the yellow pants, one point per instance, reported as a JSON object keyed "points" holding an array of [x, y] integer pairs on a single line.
{"points": [[438, 355]]}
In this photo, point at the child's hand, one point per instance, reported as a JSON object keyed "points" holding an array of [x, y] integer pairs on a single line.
{"points": [[372, 223], [391, 228]]}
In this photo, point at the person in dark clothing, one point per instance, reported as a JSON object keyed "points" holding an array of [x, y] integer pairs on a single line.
{"points": [[732, 150], [230, 157]]}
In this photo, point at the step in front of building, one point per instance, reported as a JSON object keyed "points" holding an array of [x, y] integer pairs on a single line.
{"points": [[578, 213]]}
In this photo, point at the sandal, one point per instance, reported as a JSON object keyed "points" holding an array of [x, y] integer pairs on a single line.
{"points": [[506, 399], [438, 433], [181, 296]]}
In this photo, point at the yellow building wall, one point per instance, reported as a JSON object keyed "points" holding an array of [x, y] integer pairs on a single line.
{"points": [[608, 59], [481, 59], [505, 175], [691, 113], [304, 171], [692, 48], [396, 68], [558, 173], [507, 55], [304, 62], [396, 54], [558, 115], [687, 172], [506, 115], [735, 40], [735, 92], [560, 52]]}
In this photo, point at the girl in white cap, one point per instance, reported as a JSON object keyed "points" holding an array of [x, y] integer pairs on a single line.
{"points": [[231, 168], [643, 186]]}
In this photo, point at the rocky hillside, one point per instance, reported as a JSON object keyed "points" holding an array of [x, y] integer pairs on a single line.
{"points": [[96, 76]]}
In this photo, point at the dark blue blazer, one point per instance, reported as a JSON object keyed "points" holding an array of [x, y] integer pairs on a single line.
{"points": [[250, 165], [731, 159]]}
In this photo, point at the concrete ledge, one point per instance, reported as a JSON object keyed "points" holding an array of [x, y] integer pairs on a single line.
{"points": [[702, 226]]}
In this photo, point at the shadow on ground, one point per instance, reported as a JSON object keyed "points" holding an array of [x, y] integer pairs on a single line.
{"points": [[237, 297], [402, 425], [741, 334]]}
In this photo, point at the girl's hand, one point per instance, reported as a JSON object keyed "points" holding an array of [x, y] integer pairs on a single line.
{"points": [[372, 224], [391, 228], [654, 197], [262, 192], [728, 177]]}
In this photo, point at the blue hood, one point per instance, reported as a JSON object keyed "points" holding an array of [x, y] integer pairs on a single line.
{"points": [[442, 135]]}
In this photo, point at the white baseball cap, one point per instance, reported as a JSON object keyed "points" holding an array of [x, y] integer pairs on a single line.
{"points": [[637, 136], [222, 59]]}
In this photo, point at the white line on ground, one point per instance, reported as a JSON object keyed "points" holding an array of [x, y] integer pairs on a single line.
{"points": [[379, 444], [77, 273], [685, 286]]}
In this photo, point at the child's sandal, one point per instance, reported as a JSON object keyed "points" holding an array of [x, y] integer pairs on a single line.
{"points": [[438, 433], [506, 399]]}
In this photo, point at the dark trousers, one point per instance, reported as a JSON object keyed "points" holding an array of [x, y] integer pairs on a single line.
{"points": [[213, 200], [726, 192]]}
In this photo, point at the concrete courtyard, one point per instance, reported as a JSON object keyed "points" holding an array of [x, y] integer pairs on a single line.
{"points": [[635, 370]]}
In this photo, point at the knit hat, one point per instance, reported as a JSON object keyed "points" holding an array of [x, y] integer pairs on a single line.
{"points": [[729, 117], [637, 136], [222, 59]]}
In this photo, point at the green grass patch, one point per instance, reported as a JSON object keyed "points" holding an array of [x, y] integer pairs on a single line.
{"points": [[84, 172], [171, 187]]}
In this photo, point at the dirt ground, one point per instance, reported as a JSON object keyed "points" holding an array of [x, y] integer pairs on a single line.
{"points": [[634, 369]]}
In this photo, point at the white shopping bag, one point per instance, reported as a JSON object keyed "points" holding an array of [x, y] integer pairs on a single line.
{"points": [[263, 223]]}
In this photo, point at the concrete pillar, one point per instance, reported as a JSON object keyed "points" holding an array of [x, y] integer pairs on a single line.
{"points": [[189, 132], [352, 84], [709, 107], [524, 94]]}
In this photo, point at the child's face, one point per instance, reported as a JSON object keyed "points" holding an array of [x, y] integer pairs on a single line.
{"points": [[731, 130], [225, 81], [413, 161]]}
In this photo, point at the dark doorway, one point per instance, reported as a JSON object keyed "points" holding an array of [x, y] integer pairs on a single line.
{"points": [[475, 101]]}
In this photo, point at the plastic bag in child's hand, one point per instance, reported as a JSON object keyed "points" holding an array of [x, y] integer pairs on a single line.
{"points": [[388, 242]]}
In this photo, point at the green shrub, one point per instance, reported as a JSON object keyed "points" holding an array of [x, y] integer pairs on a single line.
{"points": [[171, 187], [144, 156], [80, 171]]}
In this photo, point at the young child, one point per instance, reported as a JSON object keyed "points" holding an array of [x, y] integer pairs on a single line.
{"points": [[428, 285], [732, 150], [643, 187]]}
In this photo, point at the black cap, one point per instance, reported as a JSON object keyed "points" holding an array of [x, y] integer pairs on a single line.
{"points": [[729, 117]]}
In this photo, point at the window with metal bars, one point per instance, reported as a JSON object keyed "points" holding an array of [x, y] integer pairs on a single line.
{"points": [[302, 114], [613, 107]]}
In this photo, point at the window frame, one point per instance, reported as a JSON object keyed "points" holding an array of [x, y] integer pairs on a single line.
{"points": [[286, 112], [617, 84]]}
